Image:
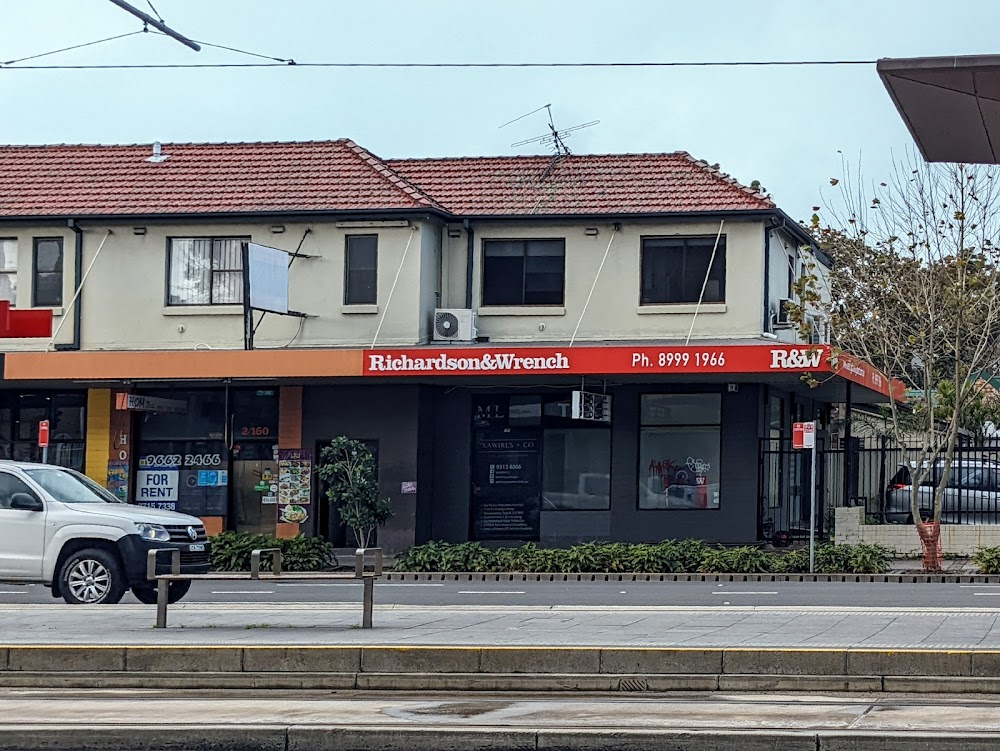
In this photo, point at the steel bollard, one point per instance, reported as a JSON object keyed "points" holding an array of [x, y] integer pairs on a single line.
{"points": [[162, 585], [369, 602], [255, 556], [368, 580]]}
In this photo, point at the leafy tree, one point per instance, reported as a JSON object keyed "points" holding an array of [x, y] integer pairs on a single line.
{"points": [[348, 468], [914, 290]]}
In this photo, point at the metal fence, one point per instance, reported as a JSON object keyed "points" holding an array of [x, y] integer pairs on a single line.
{"points": [[971, 496]]}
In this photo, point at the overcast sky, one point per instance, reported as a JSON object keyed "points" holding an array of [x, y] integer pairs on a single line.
{"points": [[782, 126]]}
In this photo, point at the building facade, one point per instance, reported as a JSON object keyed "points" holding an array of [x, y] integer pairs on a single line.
{"points": [[545, 349]]}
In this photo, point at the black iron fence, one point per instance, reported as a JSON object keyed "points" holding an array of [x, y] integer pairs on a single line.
{"points": [[878, 475]]}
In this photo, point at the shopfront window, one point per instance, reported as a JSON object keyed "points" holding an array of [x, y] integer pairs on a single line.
{"points": [[679, 451], [66, 413], [576, 469]]}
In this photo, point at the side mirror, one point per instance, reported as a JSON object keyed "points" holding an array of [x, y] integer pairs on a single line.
{"points": [[25, 502]]}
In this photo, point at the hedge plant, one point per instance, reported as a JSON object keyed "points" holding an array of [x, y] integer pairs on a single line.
{"points": [[231, 552], [669, 557]]}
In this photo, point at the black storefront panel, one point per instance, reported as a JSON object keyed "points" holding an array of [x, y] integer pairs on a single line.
{"points": [[506, 500]]}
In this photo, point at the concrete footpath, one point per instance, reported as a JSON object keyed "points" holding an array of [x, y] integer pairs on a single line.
{"points": [[162, 721]]}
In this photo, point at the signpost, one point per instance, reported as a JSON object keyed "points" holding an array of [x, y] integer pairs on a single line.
{"points": [[43, 440], [804, 437]]}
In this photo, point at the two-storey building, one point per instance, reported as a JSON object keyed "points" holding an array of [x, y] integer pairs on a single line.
{"points": [[537, 348]]}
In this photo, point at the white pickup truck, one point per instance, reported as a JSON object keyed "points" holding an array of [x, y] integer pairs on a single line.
{"points": [[61, 529]]}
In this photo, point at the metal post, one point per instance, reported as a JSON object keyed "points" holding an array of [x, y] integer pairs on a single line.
{"points": [[162, 596], [366, 617], [812, 506], [848, 442], [45, 454]]}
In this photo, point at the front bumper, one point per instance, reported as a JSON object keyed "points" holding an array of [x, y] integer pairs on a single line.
{"points": [[135, 554]]}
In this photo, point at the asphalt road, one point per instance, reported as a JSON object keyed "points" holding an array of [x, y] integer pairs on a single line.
{"points": [[593, 594]]}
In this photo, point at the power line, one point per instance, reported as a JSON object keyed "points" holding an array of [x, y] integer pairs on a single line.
{"points": [[293, 63], [155, 11], [67, 49]]}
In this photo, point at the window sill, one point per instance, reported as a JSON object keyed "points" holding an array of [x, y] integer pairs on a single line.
{"points": [[56, 311], [203, 310], [358, 309], [681, 308], [521, 310]]}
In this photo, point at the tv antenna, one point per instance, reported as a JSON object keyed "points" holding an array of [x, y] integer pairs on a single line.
{"points": [[555, 138]]}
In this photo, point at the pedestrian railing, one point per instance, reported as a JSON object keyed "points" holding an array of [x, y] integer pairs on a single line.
{"points": [[367, 568]]}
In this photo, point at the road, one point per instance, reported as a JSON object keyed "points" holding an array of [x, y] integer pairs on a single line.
{"points": [[591, 594]]}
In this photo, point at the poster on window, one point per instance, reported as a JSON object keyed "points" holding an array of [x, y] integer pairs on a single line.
{"points": [[294, 477], [507, 487], [679, 468]]}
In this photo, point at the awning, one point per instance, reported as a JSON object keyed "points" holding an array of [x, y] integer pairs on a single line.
{"points": [[951, 105]]}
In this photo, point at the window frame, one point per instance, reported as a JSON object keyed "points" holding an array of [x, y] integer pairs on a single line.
{"points": [[11, 272], [35, 302], [664, 426], [720, 254], [30, 490], [213, 272], [347, 270], [524, 242]]}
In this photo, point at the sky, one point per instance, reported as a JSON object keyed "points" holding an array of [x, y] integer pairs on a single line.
{"points": [[788, 127]]}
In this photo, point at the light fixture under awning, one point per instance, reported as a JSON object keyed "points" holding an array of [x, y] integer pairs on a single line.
{"points": [[951, 105]]}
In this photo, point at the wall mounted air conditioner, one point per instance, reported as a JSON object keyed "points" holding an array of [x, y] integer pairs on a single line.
{"points": [[784, 318], [454, 325]]}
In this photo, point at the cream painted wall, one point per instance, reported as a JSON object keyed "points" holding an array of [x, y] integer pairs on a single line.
{"points": [[24, 236], [124, 296], [614, 312]]}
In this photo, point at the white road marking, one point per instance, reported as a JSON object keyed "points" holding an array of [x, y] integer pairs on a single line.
{"points": [[13, 593], [490, 592], [986, 594], [354, 584], [744, 593], [243, 592]]}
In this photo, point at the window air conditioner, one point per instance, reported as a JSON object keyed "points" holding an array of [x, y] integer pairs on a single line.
{"points": [[454, 325], [784, 319]]}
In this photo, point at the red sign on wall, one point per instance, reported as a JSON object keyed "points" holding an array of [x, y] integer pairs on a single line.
{"points": [[43, 433], [620, 360]]}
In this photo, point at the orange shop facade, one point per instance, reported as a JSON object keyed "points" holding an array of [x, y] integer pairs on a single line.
{"points": [[552, 444]]}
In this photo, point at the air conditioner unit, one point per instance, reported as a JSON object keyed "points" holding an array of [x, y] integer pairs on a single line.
{"points": [[592, 407], [454, 325], [784, 319]]}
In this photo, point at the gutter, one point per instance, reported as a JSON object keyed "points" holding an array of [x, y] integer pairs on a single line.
{"points": [[77, 281], [766, 327]]}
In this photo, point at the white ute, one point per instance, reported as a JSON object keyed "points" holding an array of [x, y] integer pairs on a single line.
{"points": [[61, 529]]}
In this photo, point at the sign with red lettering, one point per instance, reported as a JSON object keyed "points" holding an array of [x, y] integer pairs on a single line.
{"points": [[803, 435], [624, 360], [43, 433]]}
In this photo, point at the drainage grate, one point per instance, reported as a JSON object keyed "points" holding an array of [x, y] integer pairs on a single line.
{"points": [[633, 684]]}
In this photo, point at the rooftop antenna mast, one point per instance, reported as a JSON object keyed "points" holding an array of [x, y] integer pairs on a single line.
{"points": [[555, 138]]}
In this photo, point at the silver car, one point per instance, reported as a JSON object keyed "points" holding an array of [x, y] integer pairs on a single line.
{"points": [[972, 495]]}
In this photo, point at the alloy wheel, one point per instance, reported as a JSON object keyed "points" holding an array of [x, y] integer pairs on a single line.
{"points": [[89, 581]]}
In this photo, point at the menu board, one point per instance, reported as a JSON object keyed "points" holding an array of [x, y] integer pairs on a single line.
{"points": [[507, 488], [294, 484]]}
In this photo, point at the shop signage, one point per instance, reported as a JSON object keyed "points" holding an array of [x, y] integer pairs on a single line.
{"points": [[157, 486], [745, 359], [140, 403], [507, 488]]}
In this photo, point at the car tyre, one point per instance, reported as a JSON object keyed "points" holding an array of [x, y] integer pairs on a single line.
{"points": [[92, 576], [146, 593]]}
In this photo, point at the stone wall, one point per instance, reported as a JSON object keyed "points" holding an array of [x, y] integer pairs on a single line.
{"points": [[959, 539]]}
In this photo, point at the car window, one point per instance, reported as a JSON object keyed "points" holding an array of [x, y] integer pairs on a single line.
{"points": [[10, 486], [70, 487], [966, 478]]}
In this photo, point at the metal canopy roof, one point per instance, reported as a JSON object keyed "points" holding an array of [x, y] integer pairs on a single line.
{"points": [[951, 105]]}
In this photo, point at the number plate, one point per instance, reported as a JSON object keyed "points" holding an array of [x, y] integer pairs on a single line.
{"points": [[199, 548]]}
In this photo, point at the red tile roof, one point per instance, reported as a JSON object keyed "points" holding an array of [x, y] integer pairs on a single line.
{"points": [[336, 176], [578, 184]]}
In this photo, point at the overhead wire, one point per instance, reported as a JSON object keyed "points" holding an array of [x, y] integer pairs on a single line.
{"points": [[67, 49], [280, 62], [155, 11]]}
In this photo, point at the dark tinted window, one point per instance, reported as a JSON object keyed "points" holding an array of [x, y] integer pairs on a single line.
{"points": [[524, 272], [674, 270], [47, 272], [361, 270]]}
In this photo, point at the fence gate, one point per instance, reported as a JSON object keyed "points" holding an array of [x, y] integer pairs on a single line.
{"points": [[784, 490]]}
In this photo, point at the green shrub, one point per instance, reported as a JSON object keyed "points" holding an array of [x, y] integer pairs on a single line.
{"points": [[988, 560], [231, 551]]}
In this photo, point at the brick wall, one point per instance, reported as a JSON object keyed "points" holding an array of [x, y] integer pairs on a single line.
{"points": [[959, 539]]}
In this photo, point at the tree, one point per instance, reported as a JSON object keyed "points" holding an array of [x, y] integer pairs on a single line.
{"points": [[914, 290], [348, 468]]}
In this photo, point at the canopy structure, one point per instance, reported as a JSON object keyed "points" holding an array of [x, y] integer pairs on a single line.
{"points": [[951, 105]]}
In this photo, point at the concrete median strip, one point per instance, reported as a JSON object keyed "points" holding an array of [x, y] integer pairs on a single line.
{"points": [[616, 669]]}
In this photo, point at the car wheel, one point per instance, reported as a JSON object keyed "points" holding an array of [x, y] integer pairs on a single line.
{"points": [[146, 593], [92, 577]]}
